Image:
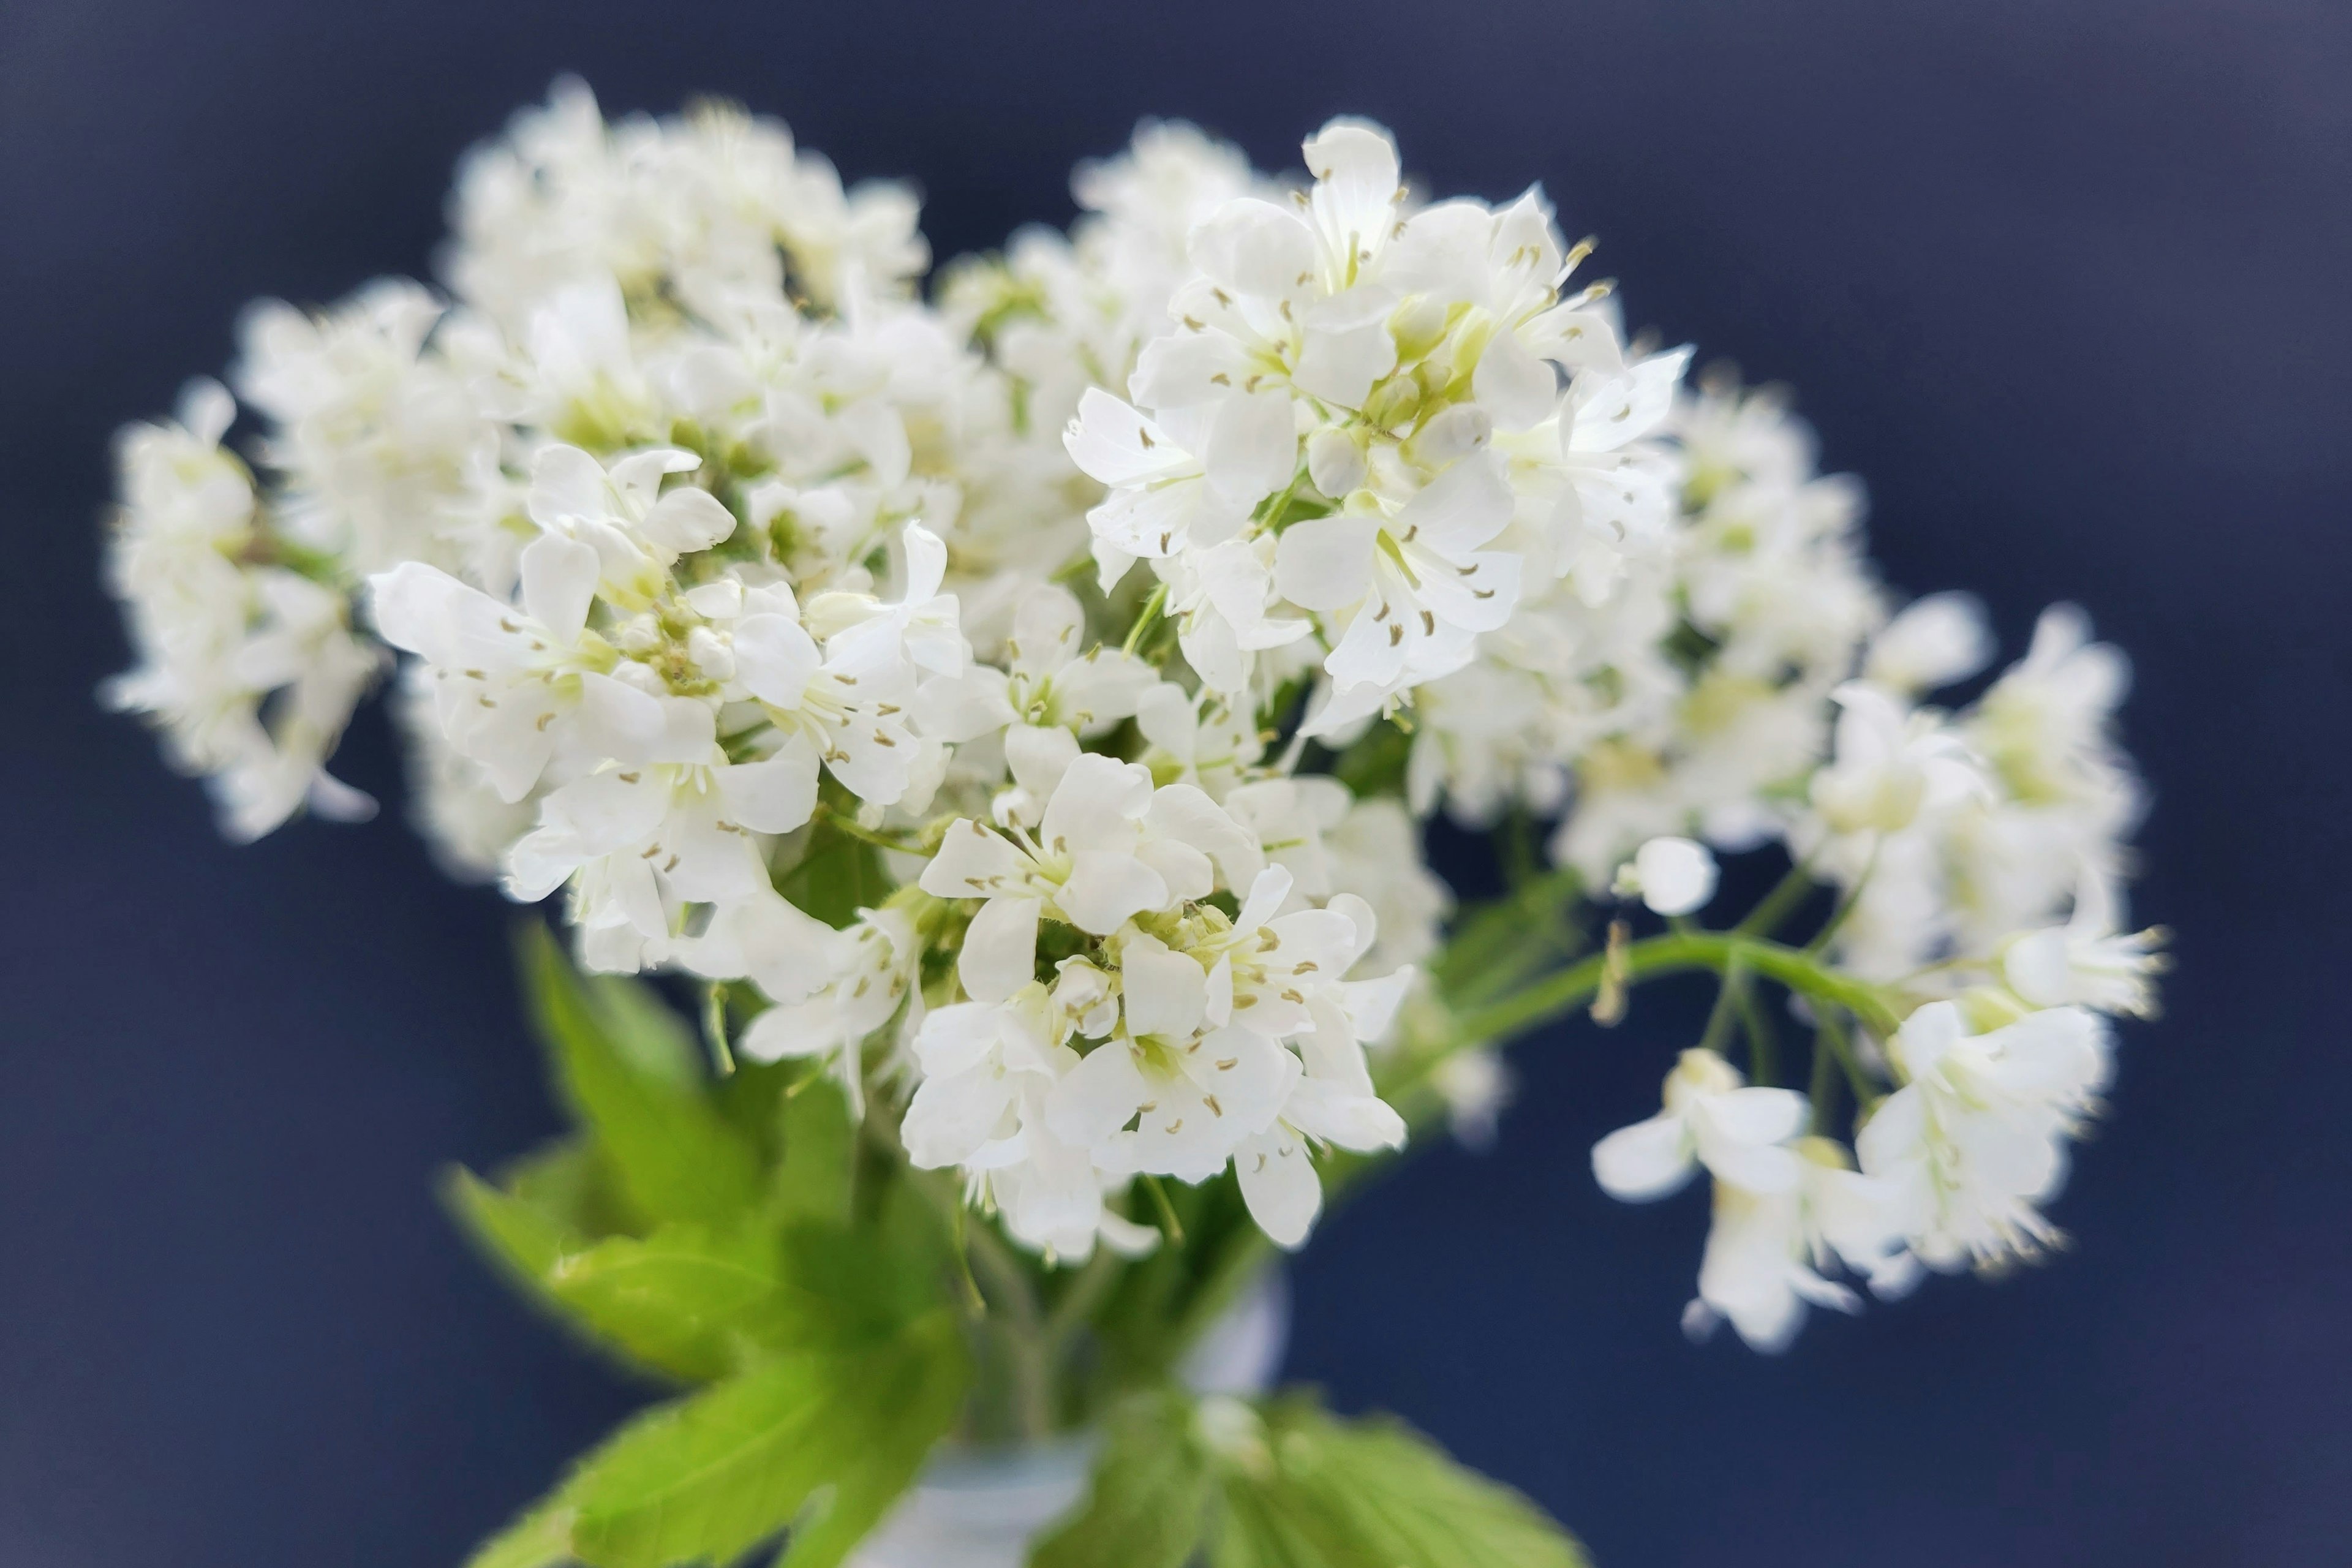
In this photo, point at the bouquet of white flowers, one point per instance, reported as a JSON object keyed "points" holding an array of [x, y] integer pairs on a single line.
{"points": [[1009, 715]]}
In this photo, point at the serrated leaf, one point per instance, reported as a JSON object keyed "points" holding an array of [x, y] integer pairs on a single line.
{"points": [[709, 1476], [1334, 1494], [673, 1156], [519, 1237], [1146, 1503], [689, 1299]]}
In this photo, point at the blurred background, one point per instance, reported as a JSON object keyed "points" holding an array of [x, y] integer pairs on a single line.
{"points": [[2065, 282]]}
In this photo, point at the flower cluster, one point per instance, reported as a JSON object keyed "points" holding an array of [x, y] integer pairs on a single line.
{"points": [[788, 622], [1373, 430]]}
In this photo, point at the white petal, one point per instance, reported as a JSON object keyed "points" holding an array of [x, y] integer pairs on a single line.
{"points": [[1519, 389], [568, 485], [1097, 1097], [1253, 247], [972, 863], [1646, 1161], [1460, 508], [1095, 805], [775, 658], [1326, 563], [1338, 364], [957, 1037], [1106, 888], [1039, 757], [684, 521], [1253, 448], [775, 796], [1111, 443], [1000, 949], [1279, 1184], [1166, 993], [559, 583]]}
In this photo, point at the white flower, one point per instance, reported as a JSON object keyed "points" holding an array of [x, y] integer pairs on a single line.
{"points": [[1974, 1141], [1196, 738], [2087, 959], [868, 972], [1053, 677], [1672, 876], [249, 667], [1391, 353], [1933, 642], [1108, 847], [451, 800], [636, 529], [638, 842], [1892, 764], [1739, 1134], [1767, 1254], [519, 686], [2044, 724]]}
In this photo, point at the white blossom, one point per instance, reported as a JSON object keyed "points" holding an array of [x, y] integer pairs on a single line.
{"points": [[1712, 1118], [1975, 1141], [1672, 876]]}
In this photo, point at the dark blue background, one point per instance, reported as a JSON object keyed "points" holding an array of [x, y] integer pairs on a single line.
{"points": [[2067, 283]]}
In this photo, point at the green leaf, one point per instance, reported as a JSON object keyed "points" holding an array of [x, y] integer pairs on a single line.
{"points": [[707, 1478], [672, 1153], [689, 1301], [1150, 1493], [813, 1179], [647, 1030], [539, 1537], [570, 1180], [519, 1237], [1327, 1493]]}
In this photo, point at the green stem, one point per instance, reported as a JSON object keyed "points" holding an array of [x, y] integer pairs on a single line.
{"points": [[1145, 617], [1726, 1003], [1677, 951], [1824, 1080], [849, 826]]}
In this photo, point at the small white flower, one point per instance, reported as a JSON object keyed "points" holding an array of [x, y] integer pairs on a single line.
{"points": [[1672, 876], [1107, 847], [2087, 959], [1933, 642], [1892, 764], [1767, 1254], [1739, 1134], [1974, 1141]]}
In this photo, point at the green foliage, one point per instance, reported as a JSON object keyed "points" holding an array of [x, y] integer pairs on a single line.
{"points": [[1152, 1490], [816, 1177], [689, 1301], [1289, 1485], [1328, 1493], [836, 1433], [713, 1233], [673, 1156]]}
